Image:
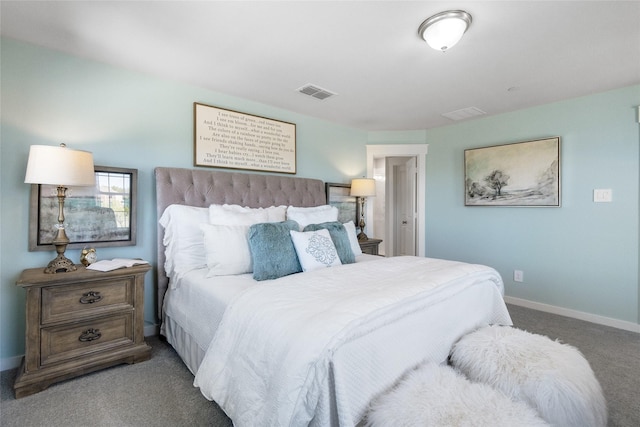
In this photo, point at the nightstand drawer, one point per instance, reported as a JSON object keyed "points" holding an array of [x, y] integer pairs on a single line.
{"points": [[61, 343], [74, 301]]}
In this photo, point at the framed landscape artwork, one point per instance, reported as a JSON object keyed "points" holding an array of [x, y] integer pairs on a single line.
{"points": [[519, 174], [98, 216]]}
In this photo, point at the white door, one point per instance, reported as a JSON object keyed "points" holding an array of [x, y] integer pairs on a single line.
{"points": [[405, 207], [404, 204], [400, 202]]}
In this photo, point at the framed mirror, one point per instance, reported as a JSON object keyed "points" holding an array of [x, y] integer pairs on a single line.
{"points": [[99, 216]]}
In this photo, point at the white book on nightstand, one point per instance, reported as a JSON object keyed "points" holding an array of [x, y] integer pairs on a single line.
{"points": [[114, 264]]}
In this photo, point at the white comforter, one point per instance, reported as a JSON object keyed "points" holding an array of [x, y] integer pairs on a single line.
{"points": [[314, 348]]}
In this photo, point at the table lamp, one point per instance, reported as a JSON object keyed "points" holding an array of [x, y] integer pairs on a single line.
{"points": [[62, 167], [363, 188]]}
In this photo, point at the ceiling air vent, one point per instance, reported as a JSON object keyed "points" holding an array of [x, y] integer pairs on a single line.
{"points": [[464, 113], [315, 91]]}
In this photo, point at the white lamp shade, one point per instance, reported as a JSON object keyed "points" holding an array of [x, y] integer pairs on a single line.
{"points": [[59, 166], [363, 187]]}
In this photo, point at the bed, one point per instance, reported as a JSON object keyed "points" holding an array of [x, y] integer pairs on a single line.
{"points": [[310, 348]]}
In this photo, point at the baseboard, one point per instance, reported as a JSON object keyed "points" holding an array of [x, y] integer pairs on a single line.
{"points": [[588, 317], [150, 329], [10, 362]]}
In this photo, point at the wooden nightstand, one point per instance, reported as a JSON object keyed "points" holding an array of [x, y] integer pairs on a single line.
{"points": [[370, 246], [79, 322]]}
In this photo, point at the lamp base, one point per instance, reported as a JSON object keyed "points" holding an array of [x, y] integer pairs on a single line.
{"points": [[362, 236], [61, 264]]}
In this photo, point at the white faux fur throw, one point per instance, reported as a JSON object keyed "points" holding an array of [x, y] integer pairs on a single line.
{"points": [[434, 395], [552, 377]]}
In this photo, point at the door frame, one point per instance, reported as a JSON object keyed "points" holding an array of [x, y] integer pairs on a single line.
{"points": [[419, 151]]}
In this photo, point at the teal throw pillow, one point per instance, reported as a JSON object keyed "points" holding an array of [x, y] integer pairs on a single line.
{"points": [[340, 239], [272, 251]]}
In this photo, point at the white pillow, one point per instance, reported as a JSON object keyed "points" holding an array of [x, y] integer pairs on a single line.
{"points": [[313, 215], [183, 241], [315, 249], [353, 238], [224, 215], [274, 213], [227, 249], [277, 213]]}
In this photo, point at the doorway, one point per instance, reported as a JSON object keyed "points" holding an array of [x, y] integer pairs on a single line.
{"points": [[396, 215]]}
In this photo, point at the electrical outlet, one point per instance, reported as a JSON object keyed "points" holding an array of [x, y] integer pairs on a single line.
{"points": [[518, 276], [603, 195]]}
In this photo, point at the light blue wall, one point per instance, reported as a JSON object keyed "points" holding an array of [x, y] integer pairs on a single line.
{"points": [[128, 120], [582, 256]]}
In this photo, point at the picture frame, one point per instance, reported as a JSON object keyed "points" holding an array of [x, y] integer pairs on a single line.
{"points": [[522, 174], [230, 139], [100, 216], [339, 195]]}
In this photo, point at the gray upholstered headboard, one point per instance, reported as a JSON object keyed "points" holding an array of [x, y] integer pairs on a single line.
{"points": [[202, 188]]}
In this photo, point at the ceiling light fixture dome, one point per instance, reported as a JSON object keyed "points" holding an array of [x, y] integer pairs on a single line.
{"points": [[443, 30]]}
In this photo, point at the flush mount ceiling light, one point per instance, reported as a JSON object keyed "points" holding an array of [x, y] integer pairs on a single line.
{"points": [[443, 30]]}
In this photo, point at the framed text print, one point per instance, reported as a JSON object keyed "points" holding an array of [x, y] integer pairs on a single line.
{"points": [[229, 139], [520, 174]]}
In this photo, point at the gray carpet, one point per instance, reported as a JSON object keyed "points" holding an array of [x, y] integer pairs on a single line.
{"points": [[159, 392], [614, 356]]}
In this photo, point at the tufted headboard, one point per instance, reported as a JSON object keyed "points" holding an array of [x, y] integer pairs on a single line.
{"points": [[195, 187]]}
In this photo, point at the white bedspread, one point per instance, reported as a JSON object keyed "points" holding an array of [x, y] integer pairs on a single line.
{"points": [[315, 347]]}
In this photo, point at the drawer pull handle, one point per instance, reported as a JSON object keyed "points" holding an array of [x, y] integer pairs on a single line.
{"points": [[90, 335], [90, 297]]}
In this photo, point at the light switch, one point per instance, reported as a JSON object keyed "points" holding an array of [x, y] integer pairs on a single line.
{"points": [[602, 195]]}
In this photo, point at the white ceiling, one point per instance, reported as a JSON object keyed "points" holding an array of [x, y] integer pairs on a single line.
{"points": [[516, 54]]}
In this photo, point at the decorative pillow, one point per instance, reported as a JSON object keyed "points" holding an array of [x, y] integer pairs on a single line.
{"points": [[227, 249], [339, 237], [315, 249], [353, 238], [183, 241], [221, 215], [313, 215], [272, 251], [274, 213]]}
